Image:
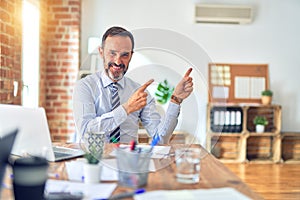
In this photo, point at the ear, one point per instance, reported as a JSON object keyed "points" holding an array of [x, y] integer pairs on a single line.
{"points": [[131, 56], [100, 51]]}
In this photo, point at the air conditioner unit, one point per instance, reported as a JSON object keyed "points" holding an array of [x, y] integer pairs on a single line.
{"points": [[227, 14]]}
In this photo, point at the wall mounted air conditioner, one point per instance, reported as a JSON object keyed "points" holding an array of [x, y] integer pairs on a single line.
{"points": [[227, 14]]}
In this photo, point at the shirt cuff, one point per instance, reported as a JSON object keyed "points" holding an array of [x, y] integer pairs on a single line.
{"points": [[173, 109]]}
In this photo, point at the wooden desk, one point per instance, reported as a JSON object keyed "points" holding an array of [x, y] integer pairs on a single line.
{"points": [[213, 174]]}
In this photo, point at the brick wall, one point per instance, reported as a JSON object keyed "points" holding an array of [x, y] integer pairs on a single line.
{"points": [[60, 64], [59, 59], [10, 50]]}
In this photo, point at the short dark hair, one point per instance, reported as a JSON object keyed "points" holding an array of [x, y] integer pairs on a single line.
{"points": [[116, 30]]}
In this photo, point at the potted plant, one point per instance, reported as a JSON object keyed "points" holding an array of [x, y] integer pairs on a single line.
{"points": [[91, 169], [266, 97], [260, 122]]}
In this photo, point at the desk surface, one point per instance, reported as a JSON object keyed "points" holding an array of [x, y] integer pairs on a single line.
{"points": [[213, 174]]}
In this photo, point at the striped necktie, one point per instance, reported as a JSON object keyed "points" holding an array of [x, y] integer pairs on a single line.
{"points": [[115, 135]]}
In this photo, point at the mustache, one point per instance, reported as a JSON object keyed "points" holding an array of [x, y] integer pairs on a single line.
{"points": [[111, 64]]}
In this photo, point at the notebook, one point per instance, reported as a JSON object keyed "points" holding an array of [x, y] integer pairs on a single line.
{"points": [[6, 144], [34, 135]]}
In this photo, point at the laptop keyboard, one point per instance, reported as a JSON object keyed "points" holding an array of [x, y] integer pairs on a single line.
{"points": [[61, 152], [64, 150]]}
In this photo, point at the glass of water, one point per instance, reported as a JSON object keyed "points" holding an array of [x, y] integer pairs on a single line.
{"points": [[187, 165]]}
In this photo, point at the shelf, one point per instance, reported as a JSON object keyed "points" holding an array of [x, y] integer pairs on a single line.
{"points": [[226, 134], [245, 145], [272, 114], [264, 134], [263, 148], [291, 147]]}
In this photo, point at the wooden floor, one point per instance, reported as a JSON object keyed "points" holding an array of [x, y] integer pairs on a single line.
{"points": [[271, 181]]}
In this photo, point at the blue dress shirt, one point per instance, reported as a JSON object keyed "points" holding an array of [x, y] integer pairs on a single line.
{"points": [[92, 110]]}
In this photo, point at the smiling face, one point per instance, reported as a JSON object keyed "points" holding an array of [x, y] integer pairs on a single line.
{"points": [[116, 54]]}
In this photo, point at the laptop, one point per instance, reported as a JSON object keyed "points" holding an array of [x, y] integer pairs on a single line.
{"points": [[6, 144], [34, 135]]}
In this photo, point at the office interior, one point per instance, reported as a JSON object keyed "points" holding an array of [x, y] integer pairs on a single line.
{"points": [[64, 49]]}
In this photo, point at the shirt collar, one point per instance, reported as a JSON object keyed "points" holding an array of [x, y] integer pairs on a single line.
{"points": [[107, 81]]}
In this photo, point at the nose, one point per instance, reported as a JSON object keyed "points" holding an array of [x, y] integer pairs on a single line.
{"points": [[118, 59]]}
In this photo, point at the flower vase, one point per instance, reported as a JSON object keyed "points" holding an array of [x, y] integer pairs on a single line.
{"points": [[260, 128]]}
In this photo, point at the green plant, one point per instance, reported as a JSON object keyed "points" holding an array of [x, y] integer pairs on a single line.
{"points": [[91, 158], [267, 93], [164, 92], [260, 120]]}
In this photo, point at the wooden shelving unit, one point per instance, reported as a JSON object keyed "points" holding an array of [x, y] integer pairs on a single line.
{"points": [[290, 147], [243, 144]]}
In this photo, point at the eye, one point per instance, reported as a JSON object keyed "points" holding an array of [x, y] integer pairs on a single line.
{"points": [[112, 53], [125, 55]]}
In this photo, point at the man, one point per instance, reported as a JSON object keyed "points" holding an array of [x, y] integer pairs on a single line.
{"points": [[110, 102]]}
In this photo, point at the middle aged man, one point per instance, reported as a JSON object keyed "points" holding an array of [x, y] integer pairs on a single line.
{"points": [[110, 102]]}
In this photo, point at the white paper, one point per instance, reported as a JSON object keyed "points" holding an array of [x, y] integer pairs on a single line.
{"points": [[257, 86], [90, 191], [220, 92], [157, 151], [203, 194], [109, 170], [242, 87], [75, 170]]}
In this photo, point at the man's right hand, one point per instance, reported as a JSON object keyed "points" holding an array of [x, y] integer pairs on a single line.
{"points": [[138, 100]]}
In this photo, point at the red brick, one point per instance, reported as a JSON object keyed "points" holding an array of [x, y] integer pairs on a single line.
{"points": [[55, 2], [5, 16], [70, 23], [58, 91], [74, 3], [60, 9], [62, 16], [73, 9], [55, 77]]}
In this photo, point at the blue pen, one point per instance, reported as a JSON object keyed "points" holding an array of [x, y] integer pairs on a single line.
{"points": [[154, 142], [126, 194]]}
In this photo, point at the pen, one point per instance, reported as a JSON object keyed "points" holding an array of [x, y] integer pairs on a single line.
{"points": [[154, 142], [53, 175], [132, 145], [127, 194]]}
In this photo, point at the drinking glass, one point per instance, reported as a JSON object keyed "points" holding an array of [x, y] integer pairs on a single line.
{"points": [[188, 165]]}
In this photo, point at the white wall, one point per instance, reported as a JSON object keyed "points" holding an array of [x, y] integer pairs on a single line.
{"points": [[272, 38]]}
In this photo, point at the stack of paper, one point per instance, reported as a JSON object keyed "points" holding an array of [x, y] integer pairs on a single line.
{"points": [[90, 191], [203, 194]]}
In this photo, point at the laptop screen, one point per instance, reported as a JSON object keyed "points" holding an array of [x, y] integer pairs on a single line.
{"points": [[6, 144], [34, 136]]}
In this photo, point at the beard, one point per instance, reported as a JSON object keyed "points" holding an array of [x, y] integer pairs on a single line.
{"points": [[117, 74]]}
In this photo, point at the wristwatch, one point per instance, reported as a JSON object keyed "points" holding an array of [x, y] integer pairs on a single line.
{"points": [[176, 99]]}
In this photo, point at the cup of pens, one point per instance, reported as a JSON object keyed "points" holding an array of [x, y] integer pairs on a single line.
{"points": [[133, 167]]}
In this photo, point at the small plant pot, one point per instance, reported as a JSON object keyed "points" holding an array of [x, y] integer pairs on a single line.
{"points": [[266, 100], [259, 128], [91, 173]]}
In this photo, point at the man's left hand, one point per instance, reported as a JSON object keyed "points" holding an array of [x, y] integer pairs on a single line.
{"points": [[185, 87]]}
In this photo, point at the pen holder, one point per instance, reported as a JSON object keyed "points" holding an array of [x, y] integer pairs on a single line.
{"points": [[133, 167]]}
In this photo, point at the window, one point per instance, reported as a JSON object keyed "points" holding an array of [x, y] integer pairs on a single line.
{"points": [[30, 53]]}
